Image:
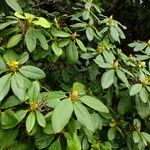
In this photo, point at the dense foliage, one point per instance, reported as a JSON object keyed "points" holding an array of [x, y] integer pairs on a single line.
{"points": [[65, 83]]}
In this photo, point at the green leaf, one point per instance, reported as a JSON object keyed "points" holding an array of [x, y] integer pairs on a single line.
{"points": [[100, 62], [4, 86], [61, 115], [42, 141], [11, 102], [34, 92], [73, 141], [78, 87], [72, 53], [30, 121], [10, 55], [55, 145], [59, 33], [40, 119], [18, 86], [9, 119], [136, 88], [24, 57], [81, 45], [57, 50], [122, 77], [4, 25], [136, 137], [3, 66], [107, 79], [83, 116], [42, 22], [146, 136], [54, 97], [114, 34], [32, 72], [94, 103], [14, 5], [42, 39], [63, 42], [111, 133], [29, 16], [7, 137], [90, 33], [30, 39], [21, 114], [14, 40], [144, 95]]}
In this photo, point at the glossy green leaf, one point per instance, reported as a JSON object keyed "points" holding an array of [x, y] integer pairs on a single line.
{"points": [[72, 53], [136, 88], [61, 115], [83, 116], [59, 33], [122, 77], [111, 133], [32, 72], [30, 121], [4, 86], [30, 39], [34, 92], [4, 25], [107, 79], [9, 119], [18, 86], [24, 57], [57, 50], [136, 137], [14, 5], [144, 95], [14, 40], [81, 45], [55, 145], [40, 119], [42, 22], [94, 103], [90, 33], [3, 66], [40, 36]]}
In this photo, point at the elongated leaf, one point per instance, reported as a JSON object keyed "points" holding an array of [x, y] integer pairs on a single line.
{"points": [[61, 115], [30, 39], [24, 57], [9, 119], [30, 121], [94, 103], [40, 119], [90, 33], [72, 53], [4, 25], [111, 133], [10, 56], [107, 79], [114, 34], [14, 5], [3, 66], [144, 95], [57, 50], [55, 145], [11, 101], [59, 33], [136, 137], [34, 92], [83, 116], [18, 86], [42, 22], [81, 45], [4, 86], [14, 40], [32, 72], [42, 39], [122, 77], [136, 88]]}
